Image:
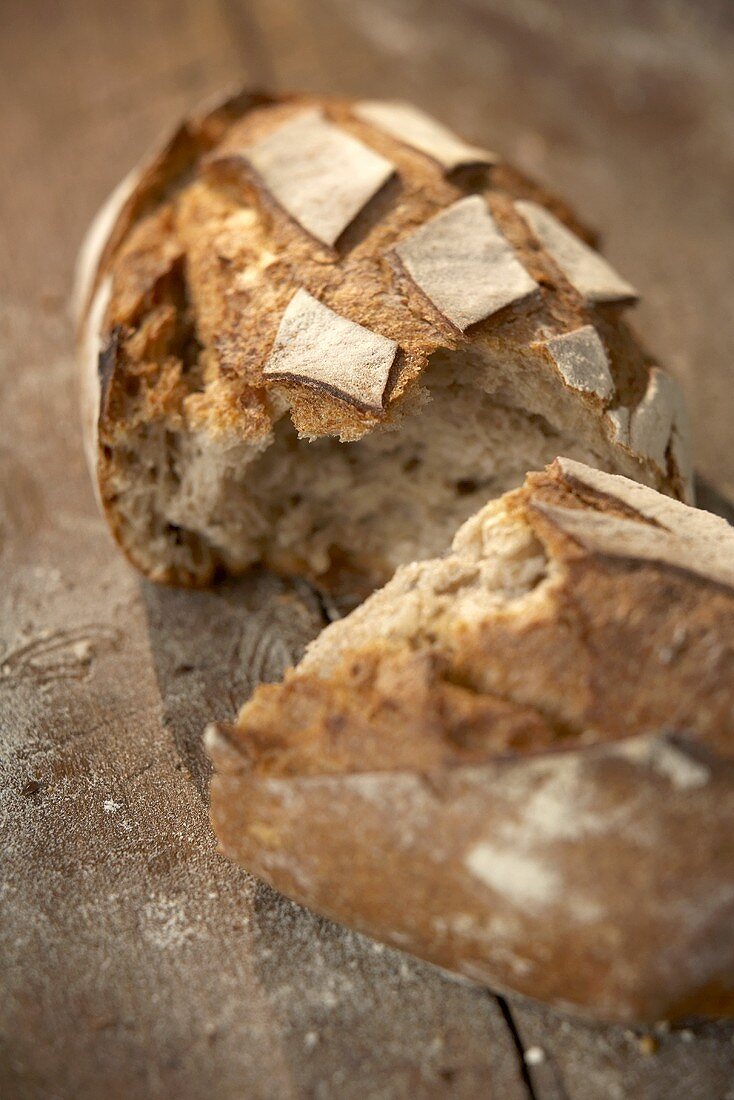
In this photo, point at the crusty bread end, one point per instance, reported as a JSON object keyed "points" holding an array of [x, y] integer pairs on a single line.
{"points": [[517, 760]]}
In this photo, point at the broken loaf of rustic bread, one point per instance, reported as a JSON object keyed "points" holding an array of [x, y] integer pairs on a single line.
{"points": [[517, 761], [319, 334]]}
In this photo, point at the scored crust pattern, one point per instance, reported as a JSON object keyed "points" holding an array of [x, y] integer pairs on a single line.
{"points": [[318, 173], [675, 534], [584, 268], [421, 132], [464, 265], [412, 241], [316, 345], [459, 259], [323, 177], [582, 360]]}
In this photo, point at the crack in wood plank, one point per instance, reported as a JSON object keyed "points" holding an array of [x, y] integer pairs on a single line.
{"points": [[517, 1042]]}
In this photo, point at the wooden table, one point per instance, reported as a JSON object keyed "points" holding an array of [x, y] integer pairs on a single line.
{"points": [[136, 961]]}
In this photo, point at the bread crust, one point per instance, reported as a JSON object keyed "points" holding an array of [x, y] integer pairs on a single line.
{"points": [[203, 252], [541, 798], [200, 260]]}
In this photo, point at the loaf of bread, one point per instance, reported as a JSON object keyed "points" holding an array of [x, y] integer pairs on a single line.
{"points": [[517, 760], [319, 334]]}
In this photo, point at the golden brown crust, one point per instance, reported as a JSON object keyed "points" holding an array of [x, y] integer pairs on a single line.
{"points": [[200, 216], [543, 791], [598, 881]]}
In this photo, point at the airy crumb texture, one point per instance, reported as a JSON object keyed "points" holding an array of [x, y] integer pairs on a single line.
{"points": [[230, 425], [535, 737]]}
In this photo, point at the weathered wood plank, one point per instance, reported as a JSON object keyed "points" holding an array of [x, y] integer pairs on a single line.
{"points": [[354, 1018]]}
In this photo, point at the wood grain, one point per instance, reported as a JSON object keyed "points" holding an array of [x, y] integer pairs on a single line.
{"points": [[135, 961]]}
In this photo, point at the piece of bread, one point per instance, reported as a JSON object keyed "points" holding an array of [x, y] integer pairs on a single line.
{"points": [[319, 334], [517, 761]]}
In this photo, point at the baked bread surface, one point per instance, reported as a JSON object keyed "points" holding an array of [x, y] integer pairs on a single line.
{"points": [[517, 761], [319, 333]]}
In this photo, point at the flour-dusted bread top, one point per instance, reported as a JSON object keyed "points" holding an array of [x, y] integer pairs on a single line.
{"points": [[316, 346], [464, 265], [518, 760], [319, 174], [329, 265], [384, 217], [419, 131], [584, 268]]}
